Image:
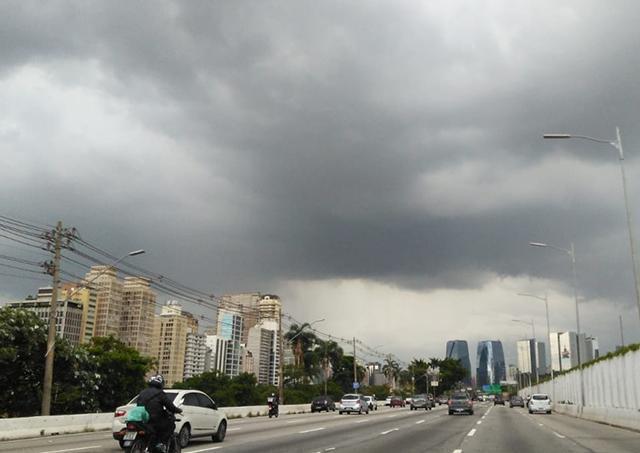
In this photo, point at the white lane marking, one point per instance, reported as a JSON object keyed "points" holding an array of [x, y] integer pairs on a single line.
{"points": [[479, 422], [540, 424], [330, 449], [558, 435], [362, 421], [457, 451], [472, 432], [384, 433], [234, 429], [204, 449], [419, 421], [295, 421], [92, 447], [311, 430], [391, 416]]}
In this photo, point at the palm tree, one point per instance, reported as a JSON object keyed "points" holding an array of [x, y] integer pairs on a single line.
{"points": [[391, 370]]}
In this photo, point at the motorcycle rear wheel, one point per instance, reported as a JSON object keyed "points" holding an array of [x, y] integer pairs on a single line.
{"points": [[138, 446]]}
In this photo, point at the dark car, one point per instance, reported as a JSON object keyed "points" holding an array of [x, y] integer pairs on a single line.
{"points": [[516, 401], [396, 401], [498, 400], [323, 403], [459, 403], [420, 402]]}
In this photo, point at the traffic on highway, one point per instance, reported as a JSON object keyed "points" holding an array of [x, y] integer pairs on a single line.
{"points": [[491, 428]]}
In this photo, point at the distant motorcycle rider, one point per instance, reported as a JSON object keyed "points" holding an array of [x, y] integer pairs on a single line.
{"points": [[159, 407]]}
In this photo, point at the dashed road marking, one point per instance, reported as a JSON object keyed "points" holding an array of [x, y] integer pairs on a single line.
{"points": [[540, 424], [362, 420], [311, 430], [419, 421], [558, 435], [384, 433], [479, 422], [330, 449], [472, 432], [234, 429], [92, 447], [205, 449], [457, 451], [391, 416], [294, 421]]}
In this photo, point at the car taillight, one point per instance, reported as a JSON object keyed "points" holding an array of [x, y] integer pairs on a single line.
{"points": [[120, 414], [131, 426]]}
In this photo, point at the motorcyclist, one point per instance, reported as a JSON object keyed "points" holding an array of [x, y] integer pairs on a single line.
{"points": [[159, 407], [273, 402]]}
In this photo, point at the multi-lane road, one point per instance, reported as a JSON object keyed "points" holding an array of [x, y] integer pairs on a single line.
{"points": [[491, 429]]}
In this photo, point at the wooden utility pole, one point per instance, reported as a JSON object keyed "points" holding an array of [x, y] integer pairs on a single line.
{"points": [[47, 382]]}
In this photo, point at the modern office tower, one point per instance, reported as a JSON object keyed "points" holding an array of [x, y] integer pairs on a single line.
{"points": [[491, 366], [459, 349], [108, 301], [87, 297], [68, 313], [244, 304], [230, 328], [138, 308], [593, 348], [262, 346], [527, 357], [541, 358], [170, 331], [195, 355], [217, 353], [564, 350]]}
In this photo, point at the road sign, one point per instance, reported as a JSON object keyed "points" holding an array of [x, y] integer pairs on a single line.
{"points": [[356, 385], [434, 383]]}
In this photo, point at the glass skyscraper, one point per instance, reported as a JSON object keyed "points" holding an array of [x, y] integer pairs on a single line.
{"points": [[458, 349], [491, 367]]}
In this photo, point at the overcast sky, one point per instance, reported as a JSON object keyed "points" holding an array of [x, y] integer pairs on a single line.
{"points": [[379, 164]]}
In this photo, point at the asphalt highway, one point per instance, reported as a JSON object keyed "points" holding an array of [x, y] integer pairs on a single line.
{"points": [[491, 429]]}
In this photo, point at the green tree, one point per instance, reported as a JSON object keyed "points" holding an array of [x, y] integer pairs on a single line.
{"points": [[120, 371], [23, 344], [343, 375], [452, 373]]}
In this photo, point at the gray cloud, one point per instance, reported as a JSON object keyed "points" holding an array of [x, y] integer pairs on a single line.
{"points": [[246, 144]]}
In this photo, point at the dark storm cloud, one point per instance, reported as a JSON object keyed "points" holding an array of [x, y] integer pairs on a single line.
{"points": [[316, 140]]}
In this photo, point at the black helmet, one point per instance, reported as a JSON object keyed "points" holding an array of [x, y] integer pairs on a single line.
{"points": [[156, 381]]}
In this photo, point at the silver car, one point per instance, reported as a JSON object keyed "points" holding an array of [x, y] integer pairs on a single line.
{"points": [[371, 401], [353, 402]]}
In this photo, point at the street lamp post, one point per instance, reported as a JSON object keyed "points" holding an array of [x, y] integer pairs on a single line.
{"points": [[535, 346], [47, 382], [617, 144], [572, 254], [545, 299]]}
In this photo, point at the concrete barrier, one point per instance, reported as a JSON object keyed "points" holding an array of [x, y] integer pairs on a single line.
{"points": [[27, 427]]}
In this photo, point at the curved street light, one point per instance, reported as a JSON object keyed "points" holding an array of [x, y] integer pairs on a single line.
{"points": [[617, 144]]}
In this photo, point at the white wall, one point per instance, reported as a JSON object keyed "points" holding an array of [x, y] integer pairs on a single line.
{"points": [[611, 391]]}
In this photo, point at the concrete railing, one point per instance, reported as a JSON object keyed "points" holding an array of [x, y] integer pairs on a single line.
{"points": [[611, 391], [26, 427]]}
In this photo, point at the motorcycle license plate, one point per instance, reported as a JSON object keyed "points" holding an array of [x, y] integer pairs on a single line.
{"points": [[131, 435]]}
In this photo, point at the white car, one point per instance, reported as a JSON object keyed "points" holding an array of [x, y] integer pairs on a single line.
{"points": [[200, 417], [540, 402], [371, 401], [387, 402]]}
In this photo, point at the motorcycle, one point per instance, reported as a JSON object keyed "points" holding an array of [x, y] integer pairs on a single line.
{"points": [[139, 438], [273, 408]]}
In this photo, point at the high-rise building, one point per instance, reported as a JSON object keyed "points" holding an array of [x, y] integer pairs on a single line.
{"points": [[593, 348], [564, 350], [138, 308], [230, 328], [541, 358], [246, 305], [491, 365], [216, 353], [195, 355], [262, 345], [68, 313], [87, 297], [269, 307], [108, 301], [459, 349], [170, 332], [527, 357]]}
